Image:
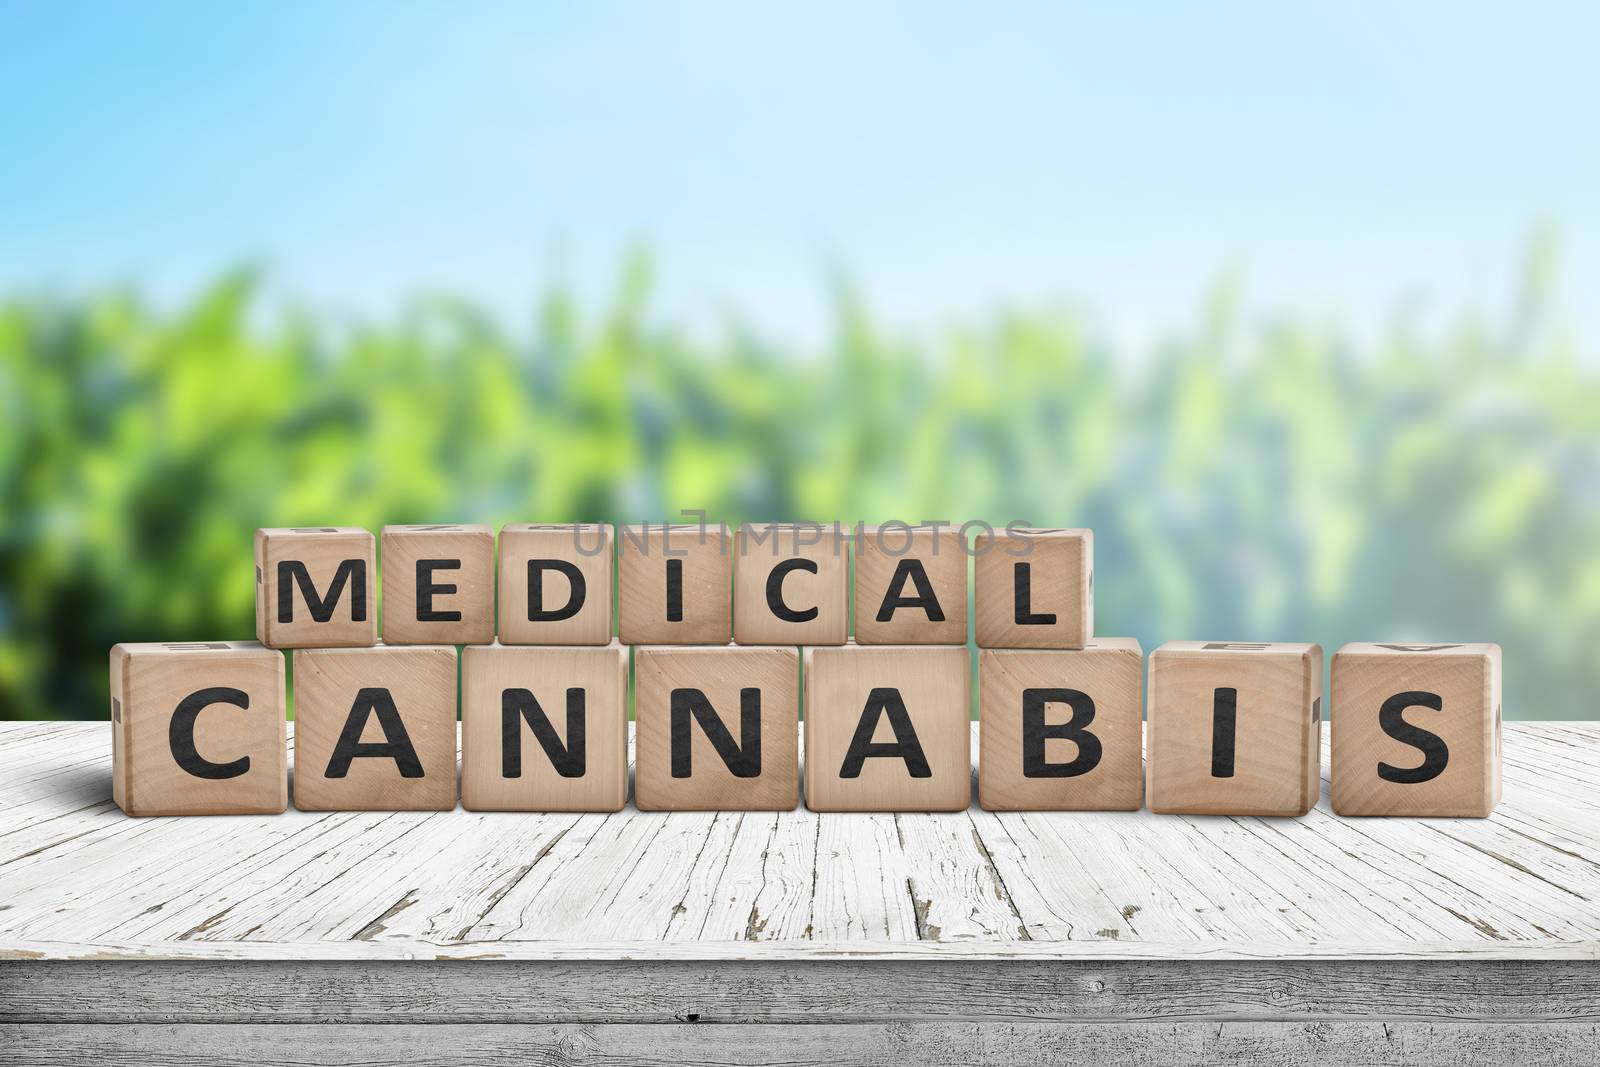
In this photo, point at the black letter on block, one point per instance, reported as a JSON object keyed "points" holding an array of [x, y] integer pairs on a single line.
{"points": [[895, 598], [1075, 729], [536, 609], [744, 758], [905, 745], [396, 744], [426, 587], [180, 733], [1023, 589], [1435, 753], [674, 590], [1224, 723], [293, 571], [775, 590], [568, 759]]}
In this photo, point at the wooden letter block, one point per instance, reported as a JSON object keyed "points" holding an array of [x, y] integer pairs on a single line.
{"points": [[790, 585], [555, 584], [1062, 730], [716, 729], [1035, 588], [375, 729], [544, 728], [197, 728], [438, 585], [676, 585], [888, 728], [1235, 728], [911, 586], [1416, 729], [316, 587]]}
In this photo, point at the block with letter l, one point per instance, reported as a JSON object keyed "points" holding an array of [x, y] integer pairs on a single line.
{"points": [[438, 585], [1416, 729], [316, 587], [1034, 588]]}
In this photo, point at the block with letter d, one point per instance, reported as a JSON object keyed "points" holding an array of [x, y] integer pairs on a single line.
{"points": [[888, 728], [197, 728], [544, 728], [375, 728], [1234, 728], [716, 728], [316, 587], [1061, 729], [1416, 729], [555, 584], [438, 585]]}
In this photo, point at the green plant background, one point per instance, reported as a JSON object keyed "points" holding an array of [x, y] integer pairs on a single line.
{"points": [[1248, 480]]}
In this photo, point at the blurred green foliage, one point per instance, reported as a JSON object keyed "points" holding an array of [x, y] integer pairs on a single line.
{"points": [[1266, 483]]}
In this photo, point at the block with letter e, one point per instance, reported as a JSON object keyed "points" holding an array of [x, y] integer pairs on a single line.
{"points": [[1416, 729], [316, 587], [675, 585], [716, 728], [1034, 588], [911, 585], [198, 729], [544, 728], [888, 728], [1234, 728], [790, 584], [438, 585], [555, 584], [1061, 729], [375, 728]]}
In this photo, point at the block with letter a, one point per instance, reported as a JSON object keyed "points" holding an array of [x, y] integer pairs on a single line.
{"points": [[911, 585]]}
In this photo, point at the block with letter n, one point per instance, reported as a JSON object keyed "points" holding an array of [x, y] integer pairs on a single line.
{"points": [[316, 587]]}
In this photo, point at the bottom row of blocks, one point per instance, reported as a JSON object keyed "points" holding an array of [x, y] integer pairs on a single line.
{"points": [[1234, 729]]}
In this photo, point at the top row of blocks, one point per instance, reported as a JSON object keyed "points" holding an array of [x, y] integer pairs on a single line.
{"points": [[790, 585]]}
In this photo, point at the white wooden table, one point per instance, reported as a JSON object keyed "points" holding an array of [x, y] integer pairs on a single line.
{"points": [[455, 937]]}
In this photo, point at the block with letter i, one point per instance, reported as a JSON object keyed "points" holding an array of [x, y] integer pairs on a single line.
{"points": [[555, 584], [198, 729], [438, 585], [1061, 729], [1416, 729], [888, 728], [1035, 588], [375, 728], [316, 587], [716, 728], [1234, 728], [790, 585], [675, 585], [544, 728]]}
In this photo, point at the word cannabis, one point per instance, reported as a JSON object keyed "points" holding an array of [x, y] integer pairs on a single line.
{"points": [[722, 637]]}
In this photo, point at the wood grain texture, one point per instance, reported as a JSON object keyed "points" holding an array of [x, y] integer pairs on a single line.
{"points": [[228, 700], [328, 555], [655, 560], [809, 565], [1034, 588], [583, 547], [1234, 728], [433, 571], [859, 687], [1450, 691], [548, 675], [910, 585], [337, 686], [767, 777], [1110, 674]]}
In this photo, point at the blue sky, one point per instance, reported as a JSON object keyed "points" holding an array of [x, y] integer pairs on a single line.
{"points": [[1347, 161]]}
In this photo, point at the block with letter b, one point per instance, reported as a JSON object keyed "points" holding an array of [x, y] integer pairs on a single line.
{"points": [[790, 584], [1234, 728], [716, 728], [888, 728], [674, 585], [438, 585], [1034, 588], [1061, 729], [1416, 729], [555, 584], [911, 585], [544, 728], [316, 587], [198, 729], [375, 728]]}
